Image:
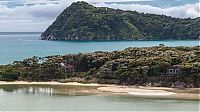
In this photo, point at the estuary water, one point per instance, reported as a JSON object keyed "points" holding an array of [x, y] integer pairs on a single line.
{"points": [[17, 46], [76, 98]]}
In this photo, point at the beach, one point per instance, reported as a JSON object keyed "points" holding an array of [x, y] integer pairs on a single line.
{"points": [[135, 91], [155, 92]]}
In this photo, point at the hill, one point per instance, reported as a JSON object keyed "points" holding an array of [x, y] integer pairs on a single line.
{"points": [[82, 21], [155, 66]]}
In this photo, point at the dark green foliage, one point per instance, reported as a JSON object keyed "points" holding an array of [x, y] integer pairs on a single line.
{"points": [[132, 66], [9, 75], [82, 21]]}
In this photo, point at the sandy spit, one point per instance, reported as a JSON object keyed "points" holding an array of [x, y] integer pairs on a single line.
{"points": [[155, 92], [136, 91]]}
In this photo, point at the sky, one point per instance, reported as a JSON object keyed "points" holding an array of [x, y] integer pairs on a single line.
{"points": [[37, 15]]}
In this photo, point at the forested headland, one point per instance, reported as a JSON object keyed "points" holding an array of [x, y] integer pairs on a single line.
{"points": [[146, 66], [82, 21]]}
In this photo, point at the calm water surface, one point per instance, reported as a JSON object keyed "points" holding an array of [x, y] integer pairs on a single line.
{"points": [[76, 98], [17, 46]]}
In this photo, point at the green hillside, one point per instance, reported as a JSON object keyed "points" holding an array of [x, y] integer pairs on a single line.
{"points": [[82, 21]]}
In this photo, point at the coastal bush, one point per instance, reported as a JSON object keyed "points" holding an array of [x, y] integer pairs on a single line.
{"points": [[156, 66], [9, 76]]}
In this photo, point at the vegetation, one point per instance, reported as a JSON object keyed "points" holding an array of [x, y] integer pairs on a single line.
{"points": [[152, 66], [82, 21]]}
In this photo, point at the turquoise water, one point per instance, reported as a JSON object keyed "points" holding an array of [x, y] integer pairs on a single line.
{"points": [[49, 98], [17, 46]]}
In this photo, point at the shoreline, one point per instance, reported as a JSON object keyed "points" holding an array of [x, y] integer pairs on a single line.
{"points": [[135, 91], [155, 92], [47, 83]]}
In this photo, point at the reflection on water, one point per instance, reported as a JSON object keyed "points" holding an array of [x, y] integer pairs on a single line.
{"points": [[9, 88], [80, 98], [36, 90], [48, 89], [1, 92]]}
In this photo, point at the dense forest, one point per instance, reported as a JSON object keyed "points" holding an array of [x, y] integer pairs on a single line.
{"points": [[82, 21], [152, 66]]}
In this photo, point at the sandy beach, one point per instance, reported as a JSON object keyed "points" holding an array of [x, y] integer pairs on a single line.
{"points": [[155, 92], [139, 91]]}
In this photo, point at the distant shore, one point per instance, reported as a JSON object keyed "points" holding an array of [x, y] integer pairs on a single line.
{"points": [[136, 91]]}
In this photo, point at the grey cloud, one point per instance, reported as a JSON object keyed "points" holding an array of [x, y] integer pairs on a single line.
{"points": [[37, 17], [185, 11]]}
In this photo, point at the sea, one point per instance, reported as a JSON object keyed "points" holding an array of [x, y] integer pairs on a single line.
{"points": [[16, 46]]}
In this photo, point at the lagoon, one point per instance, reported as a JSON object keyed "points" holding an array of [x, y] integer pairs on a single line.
{"points": [[76, 98], [18, 46]]}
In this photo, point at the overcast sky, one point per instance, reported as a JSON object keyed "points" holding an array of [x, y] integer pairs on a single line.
{"points": [[37, 15]]}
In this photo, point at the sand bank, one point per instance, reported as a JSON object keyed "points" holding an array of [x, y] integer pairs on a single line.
{"points": [[136, 91], [155, 92], [151, 92]]}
